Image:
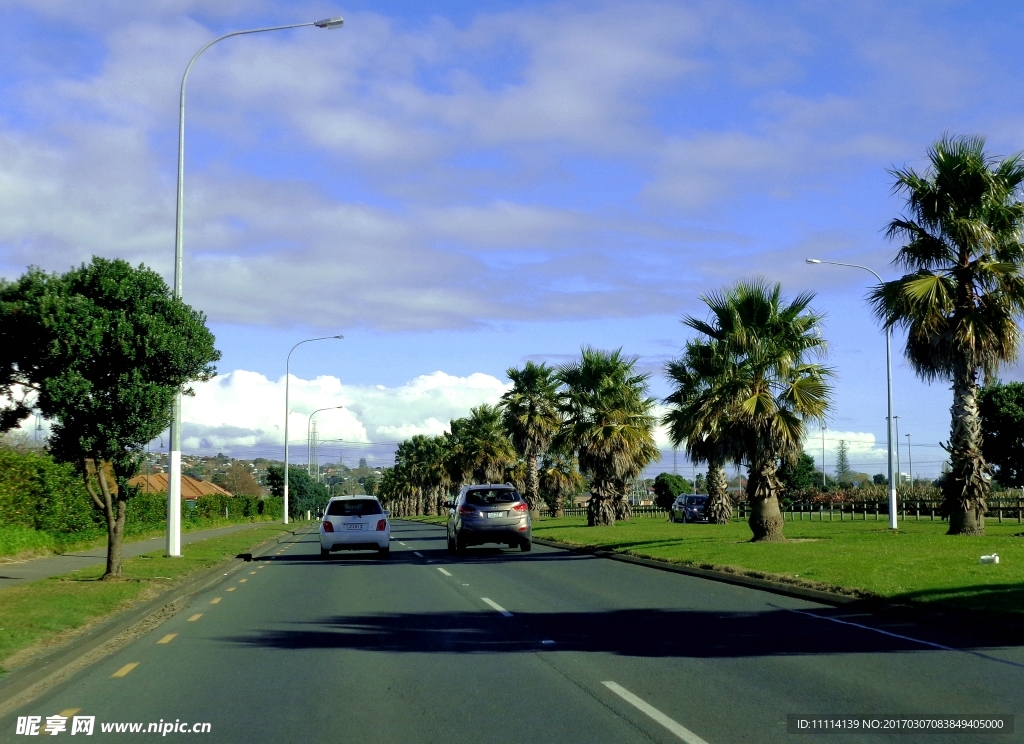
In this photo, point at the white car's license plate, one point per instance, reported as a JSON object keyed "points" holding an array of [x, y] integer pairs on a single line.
{"points": [[495, 515], [354, 526]]}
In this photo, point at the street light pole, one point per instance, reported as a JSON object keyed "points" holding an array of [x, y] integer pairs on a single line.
{"points": [[899, 467], [890, 441], [174, 464], [287, 380], [910, 460]]}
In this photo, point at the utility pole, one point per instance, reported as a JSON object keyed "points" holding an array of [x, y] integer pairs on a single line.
{"points": [[910, 460], [675, 471]]}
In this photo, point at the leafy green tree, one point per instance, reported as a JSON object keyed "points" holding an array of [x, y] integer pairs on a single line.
{"points": [[304, 493], [880, 479], [607, 421], [842, 462], [667, 486], [480, 450], [799, 474], [698, 417], [531, 418], [559, 477], [238, 480], [700, 484], [770, 385], [104, 347], [1001, 407], [961, 296]]}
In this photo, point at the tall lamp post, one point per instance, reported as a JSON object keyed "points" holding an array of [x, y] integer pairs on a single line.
{"points": [[890, 440], [287, 380], [174, 476]]}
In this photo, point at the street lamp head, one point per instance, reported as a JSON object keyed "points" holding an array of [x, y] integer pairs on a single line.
{"points": [[813, 260], [336, 22], [337, 337]]}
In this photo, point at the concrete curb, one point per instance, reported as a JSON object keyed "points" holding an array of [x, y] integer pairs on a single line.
{"points": [[766, 585], [23, 685]]}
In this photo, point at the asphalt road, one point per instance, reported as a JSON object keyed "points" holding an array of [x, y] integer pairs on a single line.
{"points": [[502, 646]]}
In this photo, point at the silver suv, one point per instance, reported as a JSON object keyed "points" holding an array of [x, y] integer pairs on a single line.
{"points": [[491, 513]]}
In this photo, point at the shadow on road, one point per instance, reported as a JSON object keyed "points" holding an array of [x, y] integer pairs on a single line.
{"points": [[633, 632]]}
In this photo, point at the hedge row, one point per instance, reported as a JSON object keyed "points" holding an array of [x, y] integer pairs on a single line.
{"points": [[40, 494]]}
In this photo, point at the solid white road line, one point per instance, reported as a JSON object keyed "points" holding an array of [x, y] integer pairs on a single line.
{"points": [[908, 638], [676, 728], [496, 606], [443, 571]]}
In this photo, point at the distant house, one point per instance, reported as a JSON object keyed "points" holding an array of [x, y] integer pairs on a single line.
{"points": [[191, 488]]}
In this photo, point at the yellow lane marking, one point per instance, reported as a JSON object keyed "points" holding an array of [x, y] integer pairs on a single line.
{"points": [[168, 638], [215, 600], [242, 581], [252, 573], [231, 589], [195, 617], [123, 671], [260, 566], [68, 712]]}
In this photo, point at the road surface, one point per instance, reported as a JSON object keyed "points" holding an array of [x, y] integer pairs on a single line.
{"points": [[507, 647]]}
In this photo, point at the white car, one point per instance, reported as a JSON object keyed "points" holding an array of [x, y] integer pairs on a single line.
{"points": [[355, 523]]}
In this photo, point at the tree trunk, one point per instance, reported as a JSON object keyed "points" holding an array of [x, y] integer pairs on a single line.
{"points": [[532, 490], [966, 486], [113, 506], [559, 510], [600, 510], [623, 509], [719, 506], [763, 490], [428, 504]]}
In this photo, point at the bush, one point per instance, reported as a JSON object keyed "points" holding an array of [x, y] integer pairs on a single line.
{"points": [[40, 494]]}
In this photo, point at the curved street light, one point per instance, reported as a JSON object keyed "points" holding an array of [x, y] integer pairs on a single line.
{"points": [[309, 441], [888, 377], [174, 456], [287, 380]]}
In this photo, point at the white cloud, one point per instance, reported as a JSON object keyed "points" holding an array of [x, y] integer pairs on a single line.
{"points": [[245, 409]]}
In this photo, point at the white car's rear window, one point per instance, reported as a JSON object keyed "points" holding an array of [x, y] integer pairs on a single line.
{"points": [[353, 508]]}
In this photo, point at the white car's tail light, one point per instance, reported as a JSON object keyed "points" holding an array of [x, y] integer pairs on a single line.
{"points": [[382, 524], [328, 527]]}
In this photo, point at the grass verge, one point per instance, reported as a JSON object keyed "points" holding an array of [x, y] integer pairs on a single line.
{"points": [[917, 563], [19, 543], [46, 613]]}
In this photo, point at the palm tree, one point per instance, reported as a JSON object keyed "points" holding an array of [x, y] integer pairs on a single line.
{"points": [[961, 296], [530, 416], [697, 418], [480, 449], [559, 477], [768, 383], [607, 422]]}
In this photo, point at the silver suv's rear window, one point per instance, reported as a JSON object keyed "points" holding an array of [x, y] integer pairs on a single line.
{"points": [[353, 508], [487, 496]]}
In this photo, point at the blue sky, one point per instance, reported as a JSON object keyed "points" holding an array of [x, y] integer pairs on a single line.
{"points": [[462, 186]]}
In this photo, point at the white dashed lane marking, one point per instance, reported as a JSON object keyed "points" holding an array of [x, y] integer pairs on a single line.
{"points": [[495, 606], [443, 571]]}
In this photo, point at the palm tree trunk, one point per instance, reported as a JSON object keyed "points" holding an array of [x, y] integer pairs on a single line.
{"points": [[966, 486], [763, 490], [532, 490], [719, 506], [600, 510], [559, 510]]}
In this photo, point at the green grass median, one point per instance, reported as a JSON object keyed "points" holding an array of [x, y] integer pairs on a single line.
{"points": [[45, 612], [917, 562]]}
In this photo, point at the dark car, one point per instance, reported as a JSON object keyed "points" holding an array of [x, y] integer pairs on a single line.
{"points": [[489, 513], [688, 508]]}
